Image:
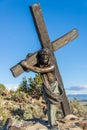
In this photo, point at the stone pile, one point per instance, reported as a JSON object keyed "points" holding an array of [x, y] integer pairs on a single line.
{"points": [[70, 122]]}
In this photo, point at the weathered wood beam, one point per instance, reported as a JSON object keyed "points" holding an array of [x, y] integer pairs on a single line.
{"points": [[65, 39], [57, 44], [18, 69], [45, 42], [39, 23]]}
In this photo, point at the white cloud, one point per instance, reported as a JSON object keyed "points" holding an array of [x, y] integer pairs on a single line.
{"points": [[84, 86], [77, 89], [11, 86]]}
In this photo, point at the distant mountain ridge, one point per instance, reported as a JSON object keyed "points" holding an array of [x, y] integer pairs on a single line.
{"points": [[79, 97]]}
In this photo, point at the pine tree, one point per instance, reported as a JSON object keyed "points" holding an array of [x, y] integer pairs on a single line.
{"points": [[35, 86]]}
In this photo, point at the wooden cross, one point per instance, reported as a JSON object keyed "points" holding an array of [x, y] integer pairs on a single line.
{"points": [[52, 46]]}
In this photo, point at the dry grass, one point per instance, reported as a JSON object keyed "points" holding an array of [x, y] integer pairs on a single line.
{"points": [[18, 107]]}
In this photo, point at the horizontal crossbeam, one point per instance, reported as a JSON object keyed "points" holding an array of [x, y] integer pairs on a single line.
{"points": [[65, 39], [57, 44]]}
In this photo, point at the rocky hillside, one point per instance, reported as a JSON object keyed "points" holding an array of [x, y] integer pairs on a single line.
{"points": [[26, 113]]}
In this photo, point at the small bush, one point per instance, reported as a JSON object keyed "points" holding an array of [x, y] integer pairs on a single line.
{"points": [[77, 109], [19, 97], [2, 88], [3, 115], [12, 92]]}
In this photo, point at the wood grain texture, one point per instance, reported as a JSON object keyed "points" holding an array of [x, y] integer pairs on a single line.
{"points": [[52, 46]]}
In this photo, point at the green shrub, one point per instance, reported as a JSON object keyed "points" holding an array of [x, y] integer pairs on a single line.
{"points": [[12, 92], [3, 115], [2, 88], [19, 97]]}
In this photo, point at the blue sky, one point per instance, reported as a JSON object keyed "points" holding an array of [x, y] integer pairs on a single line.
{"points": [[18, 37]]}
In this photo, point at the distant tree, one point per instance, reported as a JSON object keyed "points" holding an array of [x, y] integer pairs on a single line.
{"points": [[35, 86], [32, 86], [23, 86]]}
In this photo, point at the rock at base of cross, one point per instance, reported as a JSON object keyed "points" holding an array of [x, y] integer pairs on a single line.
{"points": [[70, 122]]}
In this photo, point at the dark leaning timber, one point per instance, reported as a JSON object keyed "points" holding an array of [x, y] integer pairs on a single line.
{"points": [[52, 46]]}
